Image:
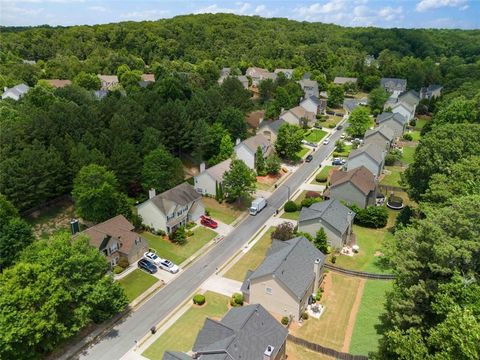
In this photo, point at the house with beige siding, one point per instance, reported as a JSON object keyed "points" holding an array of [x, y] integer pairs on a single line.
{"points": [[370, 155], [290, 273], [258, 75], [357, 186], [314, 105], [247, 149], [207, 181], [382, 136], [108, 82], [244, 333], [395, 121], [299, 116], [334, 217], [270, 129], [172, 208]]}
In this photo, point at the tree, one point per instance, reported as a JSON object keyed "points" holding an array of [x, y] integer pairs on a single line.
{"points": [[96, 194], [161, 170], [376, 100], [238, 182], [266, 89], [126, 164], [335, 96], [272, 164], [284, 231], [459, 110], [235, 95], [179, 236], [260, 162], [46, 306], [321, 241], [233, 120], [130, 80], [289, 141], [226, 150], [359, 122], [87, 81]]}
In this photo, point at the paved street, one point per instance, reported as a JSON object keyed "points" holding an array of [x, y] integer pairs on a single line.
{"points": [[122, 337]]}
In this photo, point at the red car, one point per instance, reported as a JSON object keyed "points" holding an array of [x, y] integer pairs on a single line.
{"points": [[208, 222]]}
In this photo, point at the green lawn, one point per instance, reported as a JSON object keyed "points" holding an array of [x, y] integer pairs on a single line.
{"points": [[407, 156], [303, 152], [226, 213], [420, 124], [252, 258], [179, 253], [366, 331], [314, 135], [324, 172], [182, 334], [298, 201], [392, 179], [136, 283], [367, 259], [344, 153], [415, 135]]}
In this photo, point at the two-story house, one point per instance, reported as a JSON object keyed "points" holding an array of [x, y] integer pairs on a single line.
{"points": [[270, 129], [309, 87], [208, 181], [247, 149], [299, 116], [395, 121], [393, 85], [108, 82], [370, 155], [314, 105], [258, 74], [431, 92], [171, 209], [382, 136], [16, 92]]}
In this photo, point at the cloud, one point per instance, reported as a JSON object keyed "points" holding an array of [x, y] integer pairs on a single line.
{"points": [[389, 13], [425, 5], [144, 15], [240, 8], [97, 8]]}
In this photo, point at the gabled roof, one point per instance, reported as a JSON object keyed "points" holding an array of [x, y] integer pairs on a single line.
{"points": [[180, 195], [389, 115], [405, 105], [410, 97], [148, 77], [308, 83], [393, 82], [291, 263], [434, 87], [373, 151], [108, 78], [299, 112], [344, 80], [244, 333], [383, 130], [225, 71], [217, 171], [57, 83], [285, 71], [252, 143], [274, 126], [18, 90], [359, 177], [254, 118], [332, 211], [313, 99], [175, 355]]}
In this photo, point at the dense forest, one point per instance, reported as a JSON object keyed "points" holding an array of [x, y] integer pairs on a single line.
{"points": [[56, 139]]}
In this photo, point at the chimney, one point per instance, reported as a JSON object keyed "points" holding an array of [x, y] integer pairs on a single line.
{"points": [[202, 167], [74, 226], [151, 193], [317, 271], [238, 141], [267, 355]]}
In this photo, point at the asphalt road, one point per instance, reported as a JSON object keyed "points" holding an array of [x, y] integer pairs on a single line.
{"points": [[122, 337]]}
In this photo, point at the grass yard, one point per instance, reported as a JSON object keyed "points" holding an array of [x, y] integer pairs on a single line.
{"points": [[366, 332], [332, 121], [298, 352], [408, 153], [367, 259], [252, 258], [421, 121], [323, 172], [345, 153], [136, 283], [303, 152], [52, 219], [226, 213], [338, 299], [180, 253], [182, 334], [314, 135], [266, 182], [415, 135], [392, 179], [298, 201]]}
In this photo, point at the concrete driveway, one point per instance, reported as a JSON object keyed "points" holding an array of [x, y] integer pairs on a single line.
{"points": [[221, 285]]}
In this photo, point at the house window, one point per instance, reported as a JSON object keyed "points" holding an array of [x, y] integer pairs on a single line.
{"points": [[268, 290]]}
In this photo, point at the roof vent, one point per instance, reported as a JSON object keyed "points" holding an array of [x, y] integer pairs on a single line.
{"points": [[267, 355]]}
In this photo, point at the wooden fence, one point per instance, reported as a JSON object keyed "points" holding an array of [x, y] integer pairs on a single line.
{"points": [[324, 350], [360, 274]]}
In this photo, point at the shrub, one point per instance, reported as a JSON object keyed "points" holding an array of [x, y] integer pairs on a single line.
{"points": [[160, 232], [408, 137], [284, 231], [199, 299], [334, 259], [237, 300], [312, 194], [318, 295], [123, 262], [372, 217], [331, 126], [390, 160], [285, 320], [321, 178], [290, 206], [117, 269], [207, 212], [413, 122], [191, 224], [307, 202], [179, 236], [305, 315]]}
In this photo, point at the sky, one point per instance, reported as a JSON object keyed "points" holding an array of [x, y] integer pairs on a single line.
{"points": [[463, 14]]}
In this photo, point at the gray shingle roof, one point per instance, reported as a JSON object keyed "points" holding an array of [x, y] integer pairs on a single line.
{"points": [[291, 262], [372, 150], [410, 97], [244, 333], [175, 355], [389, 115], [394, 83], [384, 130], [273, 126], [217, 171], [344, 80], [18, 90], [252, 143], [182, 195], [332, 211]]}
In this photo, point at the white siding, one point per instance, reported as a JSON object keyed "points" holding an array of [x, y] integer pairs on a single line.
{"points": [[365, 161], [400, 109], [205, 184], [152, 216], [244, 154], [196, 210]]}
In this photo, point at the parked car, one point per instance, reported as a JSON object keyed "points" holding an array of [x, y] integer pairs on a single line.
{"points": [[309, 158], [169, 266], [326, 141], [338, 161], [339, 127], [208, 222], [343, 136], [152, 257], [147, 266]]}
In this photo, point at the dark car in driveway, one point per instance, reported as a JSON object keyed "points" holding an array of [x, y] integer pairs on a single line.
{"points": [[309, 158], [339, 127], [147, 266]]}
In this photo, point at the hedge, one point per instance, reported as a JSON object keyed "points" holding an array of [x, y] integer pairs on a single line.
{"points": [[199, 299], [290, 206]]}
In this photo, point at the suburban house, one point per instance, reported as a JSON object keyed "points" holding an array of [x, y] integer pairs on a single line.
{"points": [[431, 92], [116, 239], [382, 136], [108, 82], [314, 104], [225, 73], [247, 149], [404, 109], [411, 98], [370, 155], [309, 87], [255, 118], [16, 92], [287, 72], [395, 121], [29, 62], [290, 273], [269, 129], [172, 208], [57, 83], [146, 80], [258, 74], [393, 85], [344, 80], [299, 116], [208, 180], [357, 186], [335, 218], [244, 333]]}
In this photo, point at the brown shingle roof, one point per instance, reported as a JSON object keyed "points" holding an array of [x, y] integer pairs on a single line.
{"points": [[148, 77], [57, 83], [300, 112], [360, 177], [253, 119]]}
